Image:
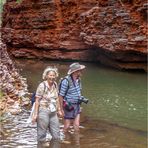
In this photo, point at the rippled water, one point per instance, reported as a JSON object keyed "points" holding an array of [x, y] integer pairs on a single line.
{"points": [[116, 116], [94, 133], [17, 133]]}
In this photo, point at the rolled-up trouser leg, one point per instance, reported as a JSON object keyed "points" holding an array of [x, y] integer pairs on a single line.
{"points": [[54, 126], [42, 124]]}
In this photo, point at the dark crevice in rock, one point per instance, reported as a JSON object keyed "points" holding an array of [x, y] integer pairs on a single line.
{"points": [[110, 32]]}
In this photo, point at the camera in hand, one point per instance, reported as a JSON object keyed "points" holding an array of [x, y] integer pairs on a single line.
{"points": [[67, 105], [83, 99]]}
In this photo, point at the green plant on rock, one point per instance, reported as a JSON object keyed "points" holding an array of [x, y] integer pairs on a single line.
{"points": [[1, 94], [18, 1]]}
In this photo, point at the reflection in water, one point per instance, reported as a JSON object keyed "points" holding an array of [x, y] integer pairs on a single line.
{"points": [[73, 138], [114, 96], [95, 134], [51, 144], [77, 139], [17, 132]]}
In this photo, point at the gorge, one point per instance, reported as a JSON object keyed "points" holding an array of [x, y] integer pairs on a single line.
{"points": [[111, 32]]}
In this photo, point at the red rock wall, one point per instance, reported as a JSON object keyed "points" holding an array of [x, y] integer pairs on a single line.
{"points": [[112, 32]]}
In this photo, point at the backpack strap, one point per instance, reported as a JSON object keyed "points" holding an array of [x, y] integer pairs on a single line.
{"points": [[44, 89], [67, 86], [65, 78], [68, 80], [55, 84], [33, 95]]}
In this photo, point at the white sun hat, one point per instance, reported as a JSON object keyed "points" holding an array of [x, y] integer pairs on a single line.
{"points": [[75, 67], [48, 69]]}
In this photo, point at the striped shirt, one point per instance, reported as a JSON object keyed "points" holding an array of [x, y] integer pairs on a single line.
{"points": [[70, 89]]}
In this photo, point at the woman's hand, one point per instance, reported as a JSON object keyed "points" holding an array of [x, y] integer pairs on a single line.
{"points": [[60, 113], [35, 110], [34, 119]]}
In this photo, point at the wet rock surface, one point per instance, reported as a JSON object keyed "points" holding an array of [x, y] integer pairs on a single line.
{"points": [[110, 32], [13, 86]]}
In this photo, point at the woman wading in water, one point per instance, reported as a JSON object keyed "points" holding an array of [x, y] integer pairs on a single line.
{"points": [[47, 107]]}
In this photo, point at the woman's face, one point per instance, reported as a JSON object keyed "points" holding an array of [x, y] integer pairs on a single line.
{"points": [[51, 76]]}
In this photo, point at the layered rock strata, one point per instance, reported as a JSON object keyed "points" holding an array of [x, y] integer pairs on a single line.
{"points": [[107, 31], [13, 87]]}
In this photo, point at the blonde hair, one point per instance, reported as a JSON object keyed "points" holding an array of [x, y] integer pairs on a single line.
{"points": [[48, 69]]}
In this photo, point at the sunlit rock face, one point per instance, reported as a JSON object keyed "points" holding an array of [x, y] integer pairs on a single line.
{"points": [[107, 31]]}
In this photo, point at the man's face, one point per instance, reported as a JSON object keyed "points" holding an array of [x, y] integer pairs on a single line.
{"points": [[78, 74]]}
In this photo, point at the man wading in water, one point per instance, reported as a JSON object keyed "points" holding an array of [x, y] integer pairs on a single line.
{"points": [[70, 96]]}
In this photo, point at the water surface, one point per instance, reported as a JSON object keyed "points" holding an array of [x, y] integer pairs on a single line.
{"points": [[115, 117], [115, 96]]}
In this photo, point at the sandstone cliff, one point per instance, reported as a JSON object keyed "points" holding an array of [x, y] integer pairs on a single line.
{"points": [[112, 32]]}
